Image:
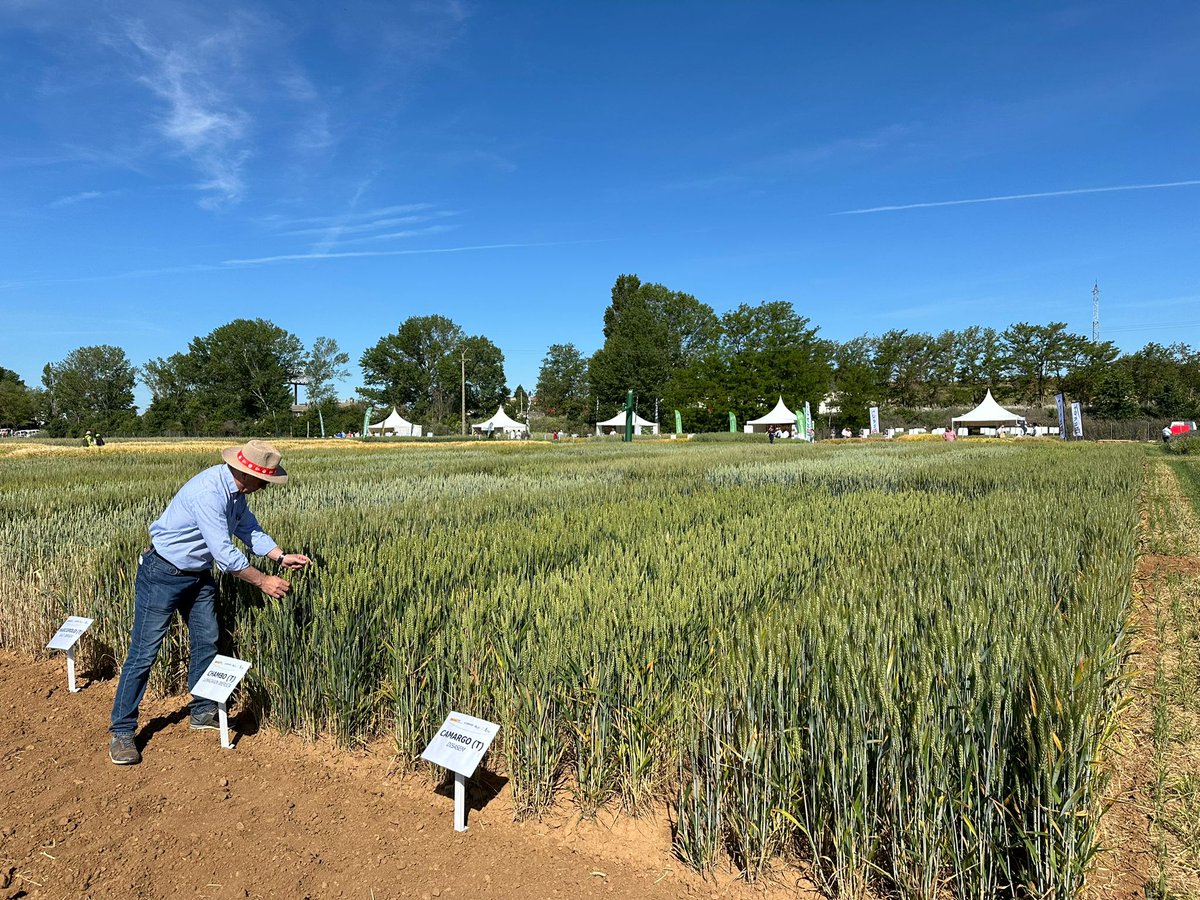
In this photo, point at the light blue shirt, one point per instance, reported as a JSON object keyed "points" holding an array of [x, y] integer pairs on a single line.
{"points": [[199, 524]]}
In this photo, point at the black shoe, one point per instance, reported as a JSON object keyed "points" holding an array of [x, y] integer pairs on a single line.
{"points": [[123, 751], [205, 721]]}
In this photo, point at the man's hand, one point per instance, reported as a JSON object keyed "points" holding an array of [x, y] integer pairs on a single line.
{"points": [[274, 586], [294, 561], [271, 585]]}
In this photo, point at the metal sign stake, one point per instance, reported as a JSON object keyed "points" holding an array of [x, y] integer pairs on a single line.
{"points": [[71, 670], [223, 714], [460, 802]]}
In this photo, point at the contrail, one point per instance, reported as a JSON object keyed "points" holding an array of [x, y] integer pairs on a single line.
{"points": [[357, 254], [1099, 190]]}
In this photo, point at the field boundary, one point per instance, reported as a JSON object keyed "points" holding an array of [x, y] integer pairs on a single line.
{"points": [[1151, 834]]}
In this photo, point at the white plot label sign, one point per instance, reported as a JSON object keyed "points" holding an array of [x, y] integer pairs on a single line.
{"points": [[460, 743], [220, 678], [71, 631]]}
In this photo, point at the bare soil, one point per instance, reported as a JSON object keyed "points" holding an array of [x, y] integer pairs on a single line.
{"points": [[278, 818]]}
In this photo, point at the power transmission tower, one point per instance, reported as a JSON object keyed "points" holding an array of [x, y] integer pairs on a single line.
{"points": [[1096, 313]]}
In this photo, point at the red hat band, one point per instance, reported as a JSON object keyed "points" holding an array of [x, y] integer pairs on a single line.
{"points": [[254, 467]]}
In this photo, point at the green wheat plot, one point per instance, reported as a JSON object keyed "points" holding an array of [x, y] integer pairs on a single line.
{"points": [[896, 664]]}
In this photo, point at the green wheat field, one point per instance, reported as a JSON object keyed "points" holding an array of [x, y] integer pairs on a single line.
{"points": [[895, 665]]}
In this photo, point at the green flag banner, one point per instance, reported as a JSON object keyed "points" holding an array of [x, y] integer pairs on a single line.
{"points": [[732, 422], [366, 422], [628, 417], [678, 423]]}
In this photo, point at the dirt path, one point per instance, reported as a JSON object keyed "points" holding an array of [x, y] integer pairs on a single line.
{"points": [[276, 818], [1152, 756]]}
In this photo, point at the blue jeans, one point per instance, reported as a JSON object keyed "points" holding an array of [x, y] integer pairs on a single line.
{"points": [[160, 591]]}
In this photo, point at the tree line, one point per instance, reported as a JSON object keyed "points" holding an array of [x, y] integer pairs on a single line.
{"points": [[671, 349]]}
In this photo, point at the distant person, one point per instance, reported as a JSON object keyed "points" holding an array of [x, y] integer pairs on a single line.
{"points": [[89, 440], [1166, 433], [175, 574], [846, 433], [99, 439], [949, 435], [771, 434]]}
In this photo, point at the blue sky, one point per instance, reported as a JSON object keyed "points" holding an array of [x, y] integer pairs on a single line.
{"points": [[168, 167]]}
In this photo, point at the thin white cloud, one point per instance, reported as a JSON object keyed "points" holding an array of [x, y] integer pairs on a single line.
{"points": [[72, 199], [202, 118], [366, 227], [1003, 197], [231, 264], [329, 221], [411, 232], [357, 254]]}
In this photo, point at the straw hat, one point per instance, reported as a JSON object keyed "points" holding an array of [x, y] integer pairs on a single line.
{"points": [[257, 458]]}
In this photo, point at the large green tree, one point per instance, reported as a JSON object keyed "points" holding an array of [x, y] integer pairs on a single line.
{"points": [[562, 385], [419, 370], [486, 388], [170, 411], [854, 385], [324, 365], [903, 362], [767, 351], [232, 379], [652, 334], [91, 388], [1040, 355], [1114, 395], [635, 355], [979, 363], [18, 404]]}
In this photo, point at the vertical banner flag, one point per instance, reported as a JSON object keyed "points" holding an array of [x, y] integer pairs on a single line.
{"points": [[732, 421], [366, 422], [628, 417], [1076, 420], [1062, 417], [811, 433], [678, 423], [801, 426], [874, 420]]}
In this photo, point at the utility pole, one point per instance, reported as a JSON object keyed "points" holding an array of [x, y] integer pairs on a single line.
{"points": [[1096, 313], [464, 394]]}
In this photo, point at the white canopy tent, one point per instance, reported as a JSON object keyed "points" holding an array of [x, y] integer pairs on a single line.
{"points": [[617, 424], [780, 417], [499, 422], [395, 424], [988, 414]]}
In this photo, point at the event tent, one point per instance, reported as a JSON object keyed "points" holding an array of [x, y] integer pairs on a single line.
{"points": [[988, 414], [500, 422], [780, 417], [395, 424], [617, 424]]}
